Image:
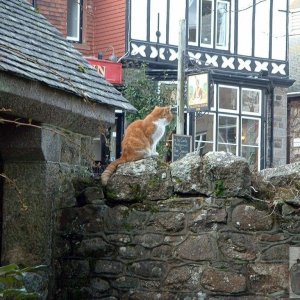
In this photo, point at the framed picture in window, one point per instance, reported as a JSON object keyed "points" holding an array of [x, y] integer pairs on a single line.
{"points": [[198, 91], [251, 101]]}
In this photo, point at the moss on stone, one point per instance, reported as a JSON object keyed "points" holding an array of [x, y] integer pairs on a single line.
{"points": [[111, 194], [220, 188], [137, 191]]}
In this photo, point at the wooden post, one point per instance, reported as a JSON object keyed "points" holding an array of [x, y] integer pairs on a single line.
{"points": [[181, 77]]}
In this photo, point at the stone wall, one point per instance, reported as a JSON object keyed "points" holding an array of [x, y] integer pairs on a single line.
{"points": [[40, 165], [206, 235]]}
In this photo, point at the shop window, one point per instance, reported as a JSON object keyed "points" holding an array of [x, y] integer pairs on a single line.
{"points": [[210, 23], [74, 20], [228, 98], [205, 133], [233, 124], [227, 134], [251, 101], [250, 141]]}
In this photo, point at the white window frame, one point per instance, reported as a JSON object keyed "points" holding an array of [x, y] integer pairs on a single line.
{"points": [[206, 45], [76, 38], [213, 142], [213, 26], [197, 25], [258, 146], [260, 103], [237, 143], [226, 46]]}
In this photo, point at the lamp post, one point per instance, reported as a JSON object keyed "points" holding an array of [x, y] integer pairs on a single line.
{"points": [[180, 77]]}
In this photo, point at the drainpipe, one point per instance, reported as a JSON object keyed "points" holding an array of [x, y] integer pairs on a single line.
{"points": [[271, 132]]}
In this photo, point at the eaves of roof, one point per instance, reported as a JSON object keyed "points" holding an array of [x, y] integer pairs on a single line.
{"points": [[31, 47]]}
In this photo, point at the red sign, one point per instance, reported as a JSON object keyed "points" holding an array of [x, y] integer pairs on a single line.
{"points": [[111, 71]]}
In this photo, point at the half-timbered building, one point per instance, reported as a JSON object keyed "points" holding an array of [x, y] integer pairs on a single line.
{"points": [[240, 44]]}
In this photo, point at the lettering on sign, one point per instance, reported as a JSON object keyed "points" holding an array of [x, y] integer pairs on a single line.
{"points": [[181, 145], [101, 70]]}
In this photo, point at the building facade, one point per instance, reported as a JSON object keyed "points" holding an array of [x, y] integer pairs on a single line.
{"points": [[294, 91], [241, 47]]}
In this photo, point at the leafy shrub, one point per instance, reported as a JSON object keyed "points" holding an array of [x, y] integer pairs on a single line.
{"points": [[12, 283]]}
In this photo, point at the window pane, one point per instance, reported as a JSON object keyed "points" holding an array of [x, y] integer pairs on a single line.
{"points": [[138, 17], [279, 30], [227, 134], [193, 21], [228, 98], [252, 155], [73, 21], [206, 22], [158, 20], [204, 137], [251, 101], [222, 28], [250, 132], [245, 27], [175, 16], [262, 30]]}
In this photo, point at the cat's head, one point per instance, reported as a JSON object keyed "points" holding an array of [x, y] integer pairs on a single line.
{"points": [[164, 113]]}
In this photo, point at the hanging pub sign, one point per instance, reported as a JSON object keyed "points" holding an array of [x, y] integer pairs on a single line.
{"points": [[198, 91]]}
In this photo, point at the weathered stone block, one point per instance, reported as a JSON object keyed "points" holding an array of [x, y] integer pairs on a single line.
{"points": [[265, 237], [125, 283], [95, 247], [98, 287], [247, 217], [150, 240], [278, 253], [75, 268], [268, 278], [292, 226], [146, 179], [119, 239], [81, 220], [150, 269], [278, 184], [207, 219], [218, 173], [93, 195], [187, 174], [223, 281], [171, 222], [197, 248], [238, 246], [108, 267], [133, 252], [184, 278], [162, 252], [122, 218]]}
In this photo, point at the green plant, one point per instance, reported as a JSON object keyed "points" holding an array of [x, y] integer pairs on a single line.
{"points": [[143, 93], [12, 285], [219, 188]]}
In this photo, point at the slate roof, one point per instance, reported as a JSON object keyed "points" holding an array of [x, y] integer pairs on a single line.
{"points": [[31, 47]]}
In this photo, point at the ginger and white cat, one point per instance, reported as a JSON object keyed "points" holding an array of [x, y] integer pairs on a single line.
{"points": [[140, 139]]}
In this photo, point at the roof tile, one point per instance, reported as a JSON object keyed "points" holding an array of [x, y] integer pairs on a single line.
{"points": [[31, 47]]}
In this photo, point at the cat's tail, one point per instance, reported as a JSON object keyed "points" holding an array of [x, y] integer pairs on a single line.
{"points": [[110, 169]]}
